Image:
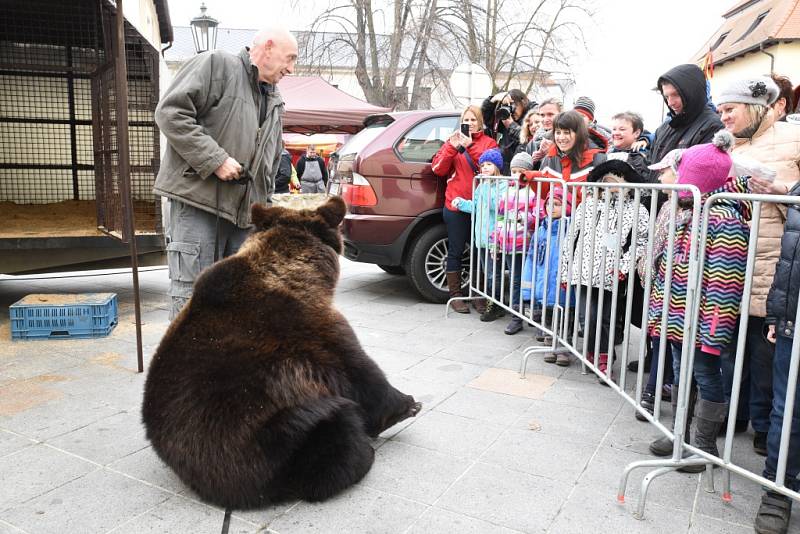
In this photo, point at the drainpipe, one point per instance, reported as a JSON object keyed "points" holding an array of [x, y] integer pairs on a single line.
{"points": [[166, 48], [771, 58]]}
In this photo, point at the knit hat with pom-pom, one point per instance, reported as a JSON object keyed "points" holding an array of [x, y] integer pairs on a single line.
{"points": [[707, 166]]}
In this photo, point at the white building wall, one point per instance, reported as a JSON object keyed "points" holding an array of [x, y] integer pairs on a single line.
{"points": [[787, 63]]}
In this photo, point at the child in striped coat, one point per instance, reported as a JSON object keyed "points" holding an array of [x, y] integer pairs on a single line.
{"points": [[722, 282]]}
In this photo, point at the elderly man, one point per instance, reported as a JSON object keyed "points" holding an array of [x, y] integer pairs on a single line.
{"points": [[222, 119]]}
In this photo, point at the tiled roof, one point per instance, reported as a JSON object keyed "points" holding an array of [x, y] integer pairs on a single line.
{"points": [[751, 23]]}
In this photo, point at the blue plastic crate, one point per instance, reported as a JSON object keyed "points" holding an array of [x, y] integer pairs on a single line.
{"points": [[53, 316]]}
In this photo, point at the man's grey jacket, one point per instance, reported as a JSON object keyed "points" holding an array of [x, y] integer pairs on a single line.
{"points": [[210, 112]]}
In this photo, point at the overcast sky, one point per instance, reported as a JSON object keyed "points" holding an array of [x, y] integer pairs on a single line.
{"points": [[630, 43]]}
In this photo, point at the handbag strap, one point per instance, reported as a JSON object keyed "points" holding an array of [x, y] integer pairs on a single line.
{"points": [[470, 161]]}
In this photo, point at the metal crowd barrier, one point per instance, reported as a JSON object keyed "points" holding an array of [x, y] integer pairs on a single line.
{"points": [[503, 207]]}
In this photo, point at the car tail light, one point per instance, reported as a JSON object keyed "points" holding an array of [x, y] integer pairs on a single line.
{"points": [[356, 191]]}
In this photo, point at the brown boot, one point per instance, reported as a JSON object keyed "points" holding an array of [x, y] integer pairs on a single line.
{"points": [[454, 287], [480, 305]]}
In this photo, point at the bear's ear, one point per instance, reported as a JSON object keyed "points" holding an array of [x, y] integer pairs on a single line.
{"points": [[263, 216], [333, 211]]}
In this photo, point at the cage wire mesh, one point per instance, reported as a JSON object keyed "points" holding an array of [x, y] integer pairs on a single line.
{"points": [[58, 115]]}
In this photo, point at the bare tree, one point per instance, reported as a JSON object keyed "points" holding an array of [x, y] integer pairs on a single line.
{"points": [[425, 39], [535, 38], [381, 59]]}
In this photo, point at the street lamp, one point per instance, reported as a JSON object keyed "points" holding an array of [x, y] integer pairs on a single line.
{"points": [[204, 31]]}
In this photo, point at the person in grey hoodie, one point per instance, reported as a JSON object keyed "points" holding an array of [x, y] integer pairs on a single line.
{"points": [[222, 119]]}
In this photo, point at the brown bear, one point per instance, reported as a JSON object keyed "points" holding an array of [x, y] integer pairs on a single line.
{"points": [[259, 391]]}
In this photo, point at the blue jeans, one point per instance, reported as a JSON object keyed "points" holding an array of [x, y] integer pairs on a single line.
{"points": [[780, 370], [514, 266], [458, 227], [707, 373], [755, 397], [492, 269], [668, 363]]}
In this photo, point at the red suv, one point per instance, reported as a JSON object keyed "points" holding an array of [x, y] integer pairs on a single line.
{"points": [[394, 200]]}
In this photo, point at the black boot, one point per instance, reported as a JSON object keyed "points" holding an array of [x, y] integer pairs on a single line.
{"points": [[710, 416], [492, 313]]}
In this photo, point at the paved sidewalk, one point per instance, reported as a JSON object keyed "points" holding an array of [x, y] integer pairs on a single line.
{"points": [[490, 453]]}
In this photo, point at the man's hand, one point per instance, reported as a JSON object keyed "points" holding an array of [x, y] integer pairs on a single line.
{"points": [[229, 170], [771, 334], [638, 146]]}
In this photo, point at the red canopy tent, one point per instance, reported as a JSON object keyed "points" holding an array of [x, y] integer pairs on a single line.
{"points": [[315, 106]]}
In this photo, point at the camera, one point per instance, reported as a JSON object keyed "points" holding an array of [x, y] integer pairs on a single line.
{"points": [[503, 112]]}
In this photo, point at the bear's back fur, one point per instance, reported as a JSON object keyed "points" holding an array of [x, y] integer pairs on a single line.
{"points": [[259, 390]]}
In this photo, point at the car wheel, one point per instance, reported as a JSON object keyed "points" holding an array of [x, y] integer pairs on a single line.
{"points": [[393, 269], [426, 264]]}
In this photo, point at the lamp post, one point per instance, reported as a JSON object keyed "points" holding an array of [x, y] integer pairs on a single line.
{"points": [[204, 31]]}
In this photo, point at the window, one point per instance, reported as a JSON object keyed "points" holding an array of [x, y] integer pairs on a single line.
{"points": [[754, 25], [425, 139], [719, 41]]}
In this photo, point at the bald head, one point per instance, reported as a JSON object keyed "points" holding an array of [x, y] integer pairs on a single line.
{"points": [[274, 53]]}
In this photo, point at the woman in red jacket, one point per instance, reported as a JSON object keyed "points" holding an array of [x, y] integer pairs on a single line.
{"points": [[457, 161]]}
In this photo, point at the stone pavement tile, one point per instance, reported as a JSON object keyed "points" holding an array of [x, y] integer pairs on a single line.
{"points": [[106, 440], [146, 466], [122, 388], [401, 294], [455, 328], [34, 471], [577, 394], [629, 434], [672, 490], [412, 472], [429, 311], [28, 363], [179, 514], [427, 343], [262, 516], [376, 308], [393, 361], [742, 508], [8, 528], [429, 393], [586, 510], [358, 509], [535, 365], [464, 351], [450, 434], [11, 443], [501, 496], [493, 336], [582, 425], [509, 382], [97, 502], [445, 371], [438, 521], [397, 324], [58, 414], [742, 453], [540, 454], [704, 525], [485, 406]]}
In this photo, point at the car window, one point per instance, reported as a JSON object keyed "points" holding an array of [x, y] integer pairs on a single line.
{"points": [[425, 139]]}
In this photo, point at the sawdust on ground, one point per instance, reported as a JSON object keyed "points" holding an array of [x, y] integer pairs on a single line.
{"points": [[23, 395]]}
